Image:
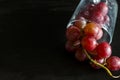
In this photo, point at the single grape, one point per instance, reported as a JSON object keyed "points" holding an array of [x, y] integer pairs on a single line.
{"points": [[113, 63], [98, 60], [89, 43], [102, 8], [69, 46], [79, 55], [73, 33], [80, 23], [96, 17], [91, 29], [104, 50], [99, 35]]}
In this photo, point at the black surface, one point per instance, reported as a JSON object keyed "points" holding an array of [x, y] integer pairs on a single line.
{"points": [[32, 42]]}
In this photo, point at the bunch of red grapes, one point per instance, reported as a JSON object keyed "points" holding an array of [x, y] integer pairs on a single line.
{"points": [[83, 37]]}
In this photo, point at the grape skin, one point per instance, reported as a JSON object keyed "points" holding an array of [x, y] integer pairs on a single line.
{"points": [[113, 63]]}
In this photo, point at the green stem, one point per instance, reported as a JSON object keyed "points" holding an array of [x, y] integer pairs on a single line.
{"points": [[95, 62]]}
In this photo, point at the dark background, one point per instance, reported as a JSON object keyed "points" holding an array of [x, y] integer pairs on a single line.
{"points": [[32, 38]]}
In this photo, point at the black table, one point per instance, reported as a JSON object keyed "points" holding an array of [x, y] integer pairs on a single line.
{"points": [[33, 39]]}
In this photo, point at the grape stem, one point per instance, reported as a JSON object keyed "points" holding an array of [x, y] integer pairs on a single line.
{"points": [[98, 64]]}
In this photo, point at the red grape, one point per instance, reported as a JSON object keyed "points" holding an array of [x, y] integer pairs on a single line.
{"points": [[113, 63], [69, 46], [89, 43], [103, 50], [91, 29], [80, 23], [73, 33], [102, 8], [80, 56], [96, 17], [99, 35], [99, 60]]}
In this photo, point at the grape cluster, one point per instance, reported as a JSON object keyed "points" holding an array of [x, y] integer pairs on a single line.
{"points": [[83, 36]]}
